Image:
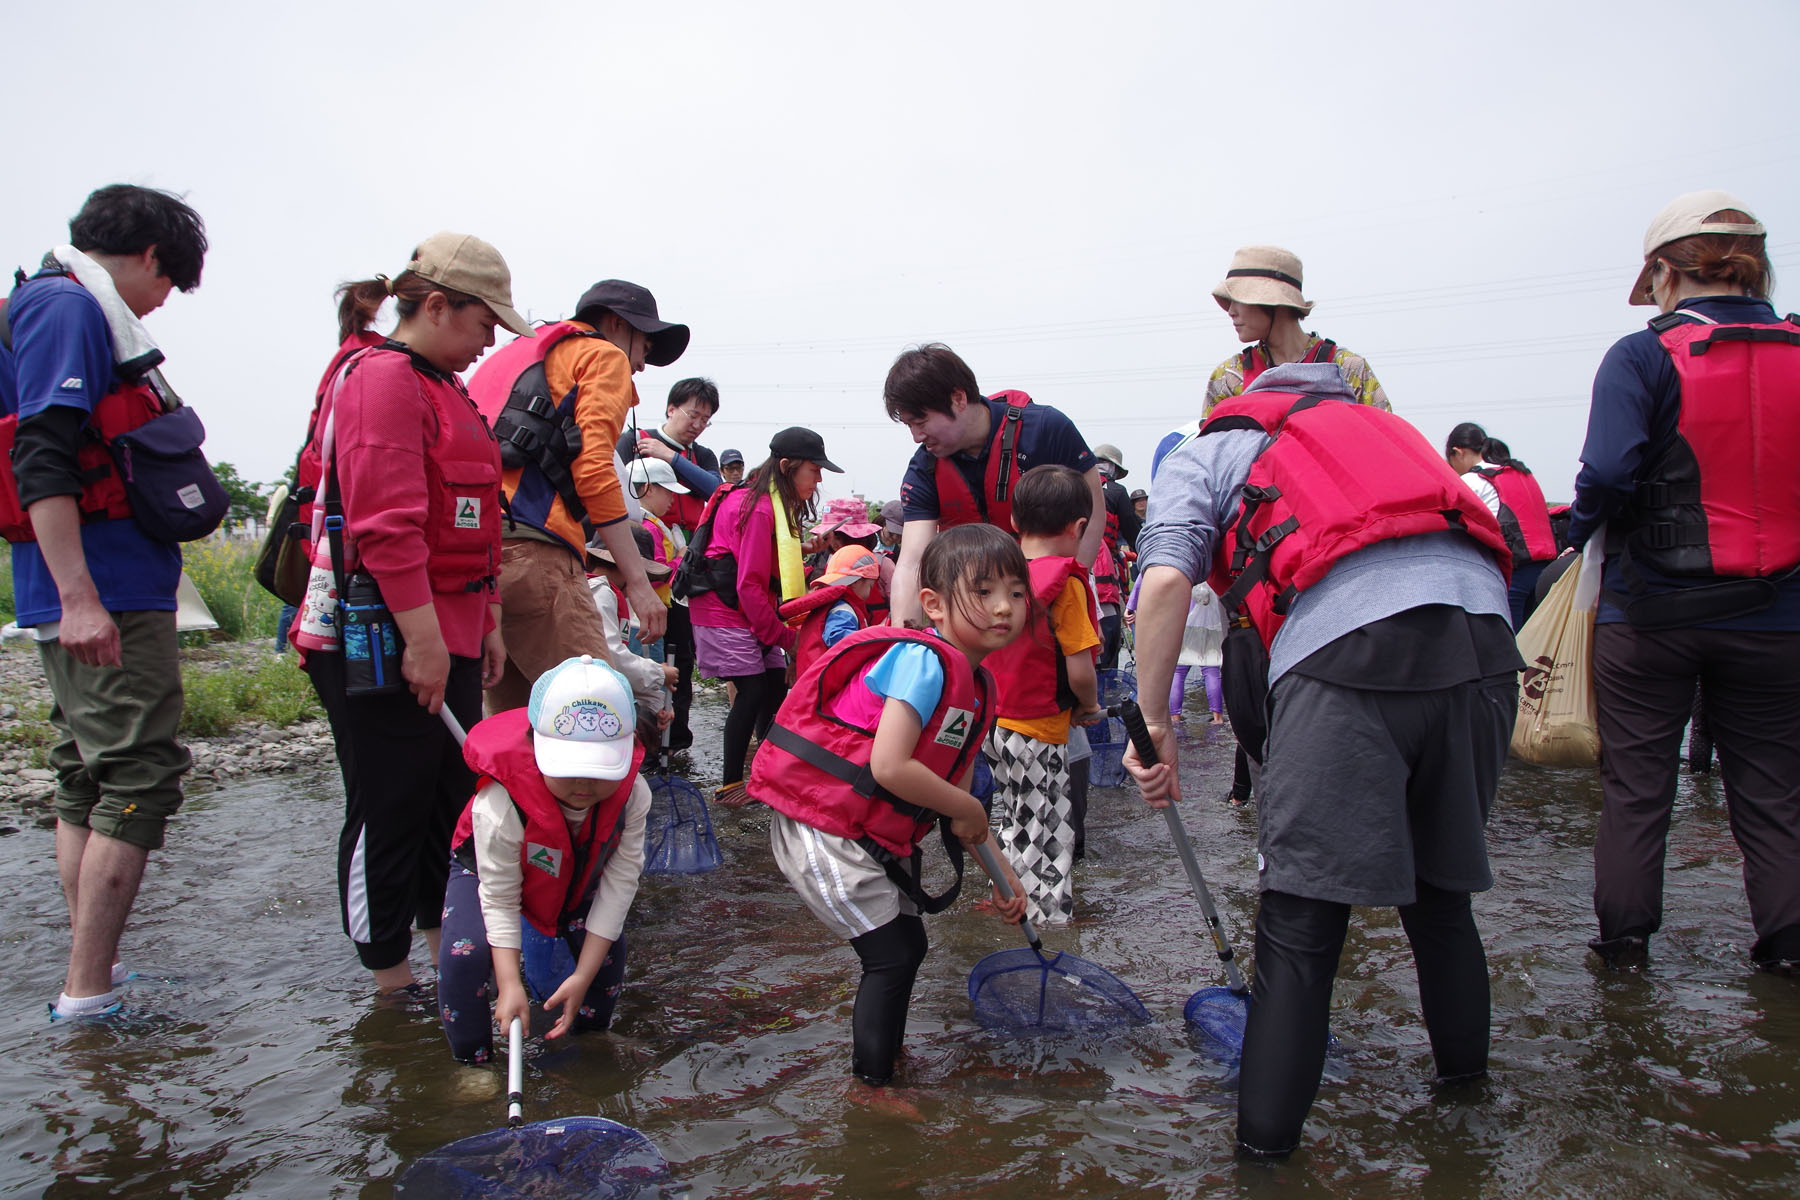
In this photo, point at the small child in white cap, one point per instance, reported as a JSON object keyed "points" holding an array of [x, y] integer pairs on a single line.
{"points": [[545, 860]]}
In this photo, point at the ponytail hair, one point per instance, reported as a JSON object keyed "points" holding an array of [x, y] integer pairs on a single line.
{"points": [[1496, 452], [359, 302], [1735, 260]]}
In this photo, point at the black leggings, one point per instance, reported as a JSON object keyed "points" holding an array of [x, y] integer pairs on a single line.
{"points": [[1298, 942], [758, 696], [890, 960]]}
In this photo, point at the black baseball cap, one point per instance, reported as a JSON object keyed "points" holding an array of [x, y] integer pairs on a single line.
{"points": [[637, 308], [731, 456], [799, 442]]}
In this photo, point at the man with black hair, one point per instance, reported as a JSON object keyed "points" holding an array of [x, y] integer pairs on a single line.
{"points": [[556, 502], [97, 590], [971, 447], [691, 407]]}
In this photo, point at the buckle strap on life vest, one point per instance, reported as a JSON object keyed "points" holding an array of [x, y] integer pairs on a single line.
{"points": [[908, 873], [1742, 333], [860, 776], [1009, 438]]}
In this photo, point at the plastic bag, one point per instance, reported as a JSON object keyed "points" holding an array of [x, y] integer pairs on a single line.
{"points": [[1557, 724]]}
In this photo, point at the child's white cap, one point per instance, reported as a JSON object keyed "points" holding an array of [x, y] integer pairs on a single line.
{"points": [[583, 721]]}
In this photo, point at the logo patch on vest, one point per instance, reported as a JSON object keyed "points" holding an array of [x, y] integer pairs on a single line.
{"points": [[954, 732], [468, 512], [545, 858]]}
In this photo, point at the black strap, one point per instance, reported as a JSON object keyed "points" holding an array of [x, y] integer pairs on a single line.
{"points": [[860, 776], [1009, 438], [1264, 273], [1324, 352], [908, 873], [1742, 333]]}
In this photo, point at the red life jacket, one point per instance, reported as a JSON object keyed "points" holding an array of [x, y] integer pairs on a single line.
{"points": [[537, 432], [561, 868], [128, 405], [1524, 515], [815, 768], [308, 470], [1255, 360], [1724, 498], [687, 508], [1107, 584], [809, 613], [462, 479], [959, 506], [1337, 477], [1031, 679]]}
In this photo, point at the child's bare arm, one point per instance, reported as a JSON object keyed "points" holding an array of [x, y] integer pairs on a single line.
{"points": [[1084, 683], [894, 767]]}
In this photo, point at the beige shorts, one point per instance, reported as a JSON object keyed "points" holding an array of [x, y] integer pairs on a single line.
{"points": [[840, 881]]}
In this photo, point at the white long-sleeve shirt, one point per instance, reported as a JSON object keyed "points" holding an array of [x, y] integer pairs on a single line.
{"points": [[499, 836], [644, 674]]}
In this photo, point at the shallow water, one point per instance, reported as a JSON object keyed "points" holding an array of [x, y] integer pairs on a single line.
{"points": [[254, 1062]]}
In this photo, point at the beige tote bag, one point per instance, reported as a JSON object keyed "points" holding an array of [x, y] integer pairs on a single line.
{"points": [[1556, 725]]}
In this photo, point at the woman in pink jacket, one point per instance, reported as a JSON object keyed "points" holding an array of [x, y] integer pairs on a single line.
{"points": [[414, 477], [755, 550]]}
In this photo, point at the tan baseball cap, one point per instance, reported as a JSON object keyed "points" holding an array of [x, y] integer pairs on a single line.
{"points": [[467, 264], [1689, 216], [1263, 275]]}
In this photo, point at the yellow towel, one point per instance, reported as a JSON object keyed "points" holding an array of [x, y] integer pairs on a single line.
{"points": [[787, 548]]}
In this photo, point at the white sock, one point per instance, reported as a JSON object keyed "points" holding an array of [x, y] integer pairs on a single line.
{"points": [[77, 1006], [120, 974]]}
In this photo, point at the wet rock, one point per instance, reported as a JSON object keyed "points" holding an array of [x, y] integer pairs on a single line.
{"points": [[47, 821]]}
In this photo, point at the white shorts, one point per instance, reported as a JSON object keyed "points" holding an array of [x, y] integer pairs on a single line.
{"points": [[840, 881]]}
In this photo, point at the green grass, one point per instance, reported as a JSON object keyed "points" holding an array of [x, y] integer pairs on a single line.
{"points": [[273, 691], [7, 609], [221, 569]]}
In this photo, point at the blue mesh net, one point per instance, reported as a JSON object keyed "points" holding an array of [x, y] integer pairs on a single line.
{"points": [[1023, 991], [572, 1158], [1116, 686], [1107, 740], [1215, 1016], [678, 835]]}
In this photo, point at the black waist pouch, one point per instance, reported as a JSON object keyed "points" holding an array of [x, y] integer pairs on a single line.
{"points": [[173, 492], [1244, 676]]}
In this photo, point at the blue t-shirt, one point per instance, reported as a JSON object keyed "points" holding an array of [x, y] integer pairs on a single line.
{"points": [[1045, 436], [840, 622], [63, 354]]}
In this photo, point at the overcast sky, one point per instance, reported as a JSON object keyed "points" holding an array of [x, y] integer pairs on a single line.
{"points": [[1051, 188]]}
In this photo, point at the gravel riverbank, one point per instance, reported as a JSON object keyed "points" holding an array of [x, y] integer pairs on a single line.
{"points": [[27, 786]]}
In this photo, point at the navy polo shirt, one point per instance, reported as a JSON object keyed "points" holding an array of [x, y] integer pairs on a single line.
{"points": [[63, 355], [1045, 436]]}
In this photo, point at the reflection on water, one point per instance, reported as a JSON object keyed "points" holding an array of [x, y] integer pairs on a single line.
{"points": [[255, 1063]]}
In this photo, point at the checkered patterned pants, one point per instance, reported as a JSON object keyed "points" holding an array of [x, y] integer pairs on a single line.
{"points": [[1031, 817]]}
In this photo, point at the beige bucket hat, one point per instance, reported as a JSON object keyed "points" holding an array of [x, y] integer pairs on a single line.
{"points": [[1689, 216], [468, 264], [1263, 275]]}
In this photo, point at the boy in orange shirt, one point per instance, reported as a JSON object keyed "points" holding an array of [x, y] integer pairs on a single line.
{"points": [[1046, 681]]}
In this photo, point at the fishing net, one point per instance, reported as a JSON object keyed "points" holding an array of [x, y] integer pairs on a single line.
{"points": [[1116, 686], [678, 835], [1025, 991], [575, 1158], [1106, 738], [1215, 1017]]}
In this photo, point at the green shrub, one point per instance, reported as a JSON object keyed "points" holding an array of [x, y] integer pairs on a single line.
{"points": [[273, 690], [221, 569], [7, 608]]}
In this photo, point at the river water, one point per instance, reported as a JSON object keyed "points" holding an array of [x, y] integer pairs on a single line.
{"points": [[254, 1063]]}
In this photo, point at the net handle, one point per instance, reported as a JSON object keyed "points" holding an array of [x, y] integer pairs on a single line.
{"points": [[515, 1071], [1133, 718], [453, 725], [991, 865]]}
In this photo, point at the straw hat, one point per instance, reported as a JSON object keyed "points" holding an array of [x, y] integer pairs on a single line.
{"points": [[1263, 275]]}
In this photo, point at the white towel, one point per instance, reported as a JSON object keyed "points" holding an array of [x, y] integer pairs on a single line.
{"points": [[134, 350]]}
